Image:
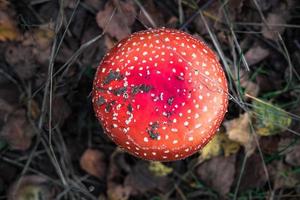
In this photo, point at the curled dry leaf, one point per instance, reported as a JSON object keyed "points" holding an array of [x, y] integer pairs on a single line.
{"points": [[256, 54], [122, 15], [218, 173], [269, 119], [31, 187], [93, 162], [239, 130]]}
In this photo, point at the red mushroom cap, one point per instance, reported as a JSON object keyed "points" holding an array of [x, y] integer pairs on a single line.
{"points": [[160, 94]]}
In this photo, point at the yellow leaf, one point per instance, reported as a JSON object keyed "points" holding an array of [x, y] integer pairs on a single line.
{"points": [[159, 169], [229, 147], [211, 149], [220, 143]]}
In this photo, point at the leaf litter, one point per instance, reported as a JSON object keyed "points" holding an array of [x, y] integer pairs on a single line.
{"points": [[26, 39]]}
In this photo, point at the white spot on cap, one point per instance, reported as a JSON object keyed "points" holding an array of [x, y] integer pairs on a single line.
{"points": [[146, 139], [174, 129], [198, 125], [175, 141]]}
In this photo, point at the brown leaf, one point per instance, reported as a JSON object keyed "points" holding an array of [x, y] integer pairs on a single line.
{"points": [[256, 54], [141, 180], [22, 60], [121, 20], [274, 26], [218, 173], [239, 130], [8, 28], [17, 131], [253, 175], [93, 162]]}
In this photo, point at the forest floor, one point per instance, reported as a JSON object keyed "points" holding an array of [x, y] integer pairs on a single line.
{"points": [[52, 146]]}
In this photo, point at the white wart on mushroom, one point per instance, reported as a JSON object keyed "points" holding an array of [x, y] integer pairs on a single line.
{"points": [[160, 88]]}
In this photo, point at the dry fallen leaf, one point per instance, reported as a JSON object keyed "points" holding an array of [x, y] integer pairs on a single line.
{"points": [[218, 145], [159, 169], [122, 15], [93, 162], [8, 27], [229, 147], [239, 130], [142, 180], [17, 131], [211, 149], [218, 173], [253, 175], [274, 26], [256, 54]]}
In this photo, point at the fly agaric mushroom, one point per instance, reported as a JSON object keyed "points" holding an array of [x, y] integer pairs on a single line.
{"points": [[160, 94]]}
